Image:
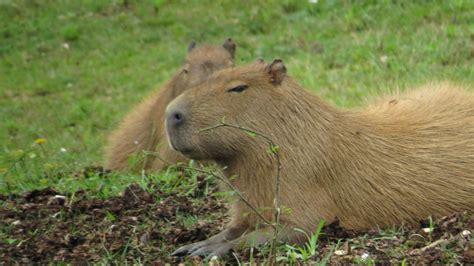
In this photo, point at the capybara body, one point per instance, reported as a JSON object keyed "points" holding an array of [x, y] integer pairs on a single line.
{"points": [[398, 160], [143, 130]]}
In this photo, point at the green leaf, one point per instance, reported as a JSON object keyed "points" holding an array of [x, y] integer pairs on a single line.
{"points": [[110, 216], [158, 3], [10, 241], [251, 134], [275, 148]]}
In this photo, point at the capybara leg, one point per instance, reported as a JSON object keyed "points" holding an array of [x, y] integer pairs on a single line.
{"points": [[252, 239], [223, 237], [214, 250], [255, 238]]}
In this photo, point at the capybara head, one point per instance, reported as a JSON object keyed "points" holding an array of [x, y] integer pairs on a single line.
{"points": [[201, 62], [248, 96]]}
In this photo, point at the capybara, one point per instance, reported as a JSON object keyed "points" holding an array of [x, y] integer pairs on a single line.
{"points": [[397, 161], [143, 128]]}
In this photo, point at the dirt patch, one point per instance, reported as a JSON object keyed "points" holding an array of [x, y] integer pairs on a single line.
{"points": [[139, 226], [43, 225]]}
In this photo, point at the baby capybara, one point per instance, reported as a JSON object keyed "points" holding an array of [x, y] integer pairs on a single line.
{"points": [[396, 161], [143, 130]]}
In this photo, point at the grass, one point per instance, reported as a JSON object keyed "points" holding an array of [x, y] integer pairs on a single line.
{"points": [[306, 252], [69, 70]]}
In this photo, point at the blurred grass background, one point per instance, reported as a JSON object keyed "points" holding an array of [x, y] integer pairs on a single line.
{"points": [[69, 70]]}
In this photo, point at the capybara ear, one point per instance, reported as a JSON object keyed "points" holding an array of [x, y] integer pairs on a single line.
{"points": [[277, 71], [230, 46], [191, 46]]}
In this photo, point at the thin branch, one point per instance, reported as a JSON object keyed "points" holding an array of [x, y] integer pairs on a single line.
{"points": [[434, 244], [220, 177], [273, 149]]}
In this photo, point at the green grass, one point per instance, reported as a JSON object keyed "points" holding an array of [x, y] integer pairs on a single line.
{"points": [[69, 70]]}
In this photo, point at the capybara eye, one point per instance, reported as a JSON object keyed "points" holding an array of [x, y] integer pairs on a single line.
{"points": [[239, 88], [185, 71]]}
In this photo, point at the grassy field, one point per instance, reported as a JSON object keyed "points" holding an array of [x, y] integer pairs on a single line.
{"points": [[69, 70]]}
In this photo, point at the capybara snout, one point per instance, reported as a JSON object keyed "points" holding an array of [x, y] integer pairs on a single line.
{"points": [[175, 118], [176, 123]]}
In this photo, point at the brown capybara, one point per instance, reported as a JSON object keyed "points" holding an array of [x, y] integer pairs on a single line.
{"points": [[396, 161], [143, 128]]}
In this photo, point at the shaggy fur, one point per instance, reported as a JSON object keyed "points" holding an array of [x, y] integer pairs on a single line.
{"points": [[142, 129], [398, 160]]}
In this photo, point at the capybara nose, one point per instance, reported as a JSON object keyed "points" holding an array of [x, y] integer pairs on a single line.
{"points": [[175, 119]]}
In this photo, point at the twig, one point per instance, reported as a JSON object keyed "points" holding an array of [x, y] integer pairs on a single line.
{"points": [[434, 244], [274, 151], [221, 178]]}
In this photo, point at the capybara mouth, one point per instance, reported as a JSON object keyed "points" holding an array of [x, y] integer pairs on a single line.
{"points": [[170, 141], [188, 152], [178, 146]]}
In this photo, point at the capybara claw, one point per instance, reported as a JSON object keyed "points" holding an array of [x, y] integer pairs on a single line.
{"points": [[187, 249]]}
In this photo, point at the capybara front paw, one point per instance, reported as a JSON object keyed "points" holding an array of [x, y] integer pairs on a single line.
{"points": [[188, 249], [213, 250], [204, 248]]}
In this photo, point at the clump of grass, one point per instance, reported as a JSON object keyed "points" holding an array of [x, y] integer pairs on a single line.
{"points": [[306, 252], [71, 33]]}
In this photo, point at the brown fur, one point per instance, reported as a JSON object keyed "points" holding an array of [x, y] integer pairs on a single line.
{"points": [[395, 161], [142, 129]]}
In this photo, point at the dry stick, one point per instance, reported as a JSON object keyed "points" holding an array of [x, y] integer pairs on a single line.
{"points": [[222, 178], [144, 166], [434, 244], [274, 152]]}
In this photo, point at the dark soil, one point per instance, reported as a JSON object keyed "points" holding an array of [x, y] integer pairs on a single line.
{"points": [[43, 226]]}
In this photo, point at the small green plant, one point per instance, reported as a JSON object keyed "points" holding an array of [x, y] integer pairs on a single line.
{"points": [[186, 220], [71, 33], [10, 241], [157, 4], [305, 252], [431, 227], [403, 262], [110, 216]]}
